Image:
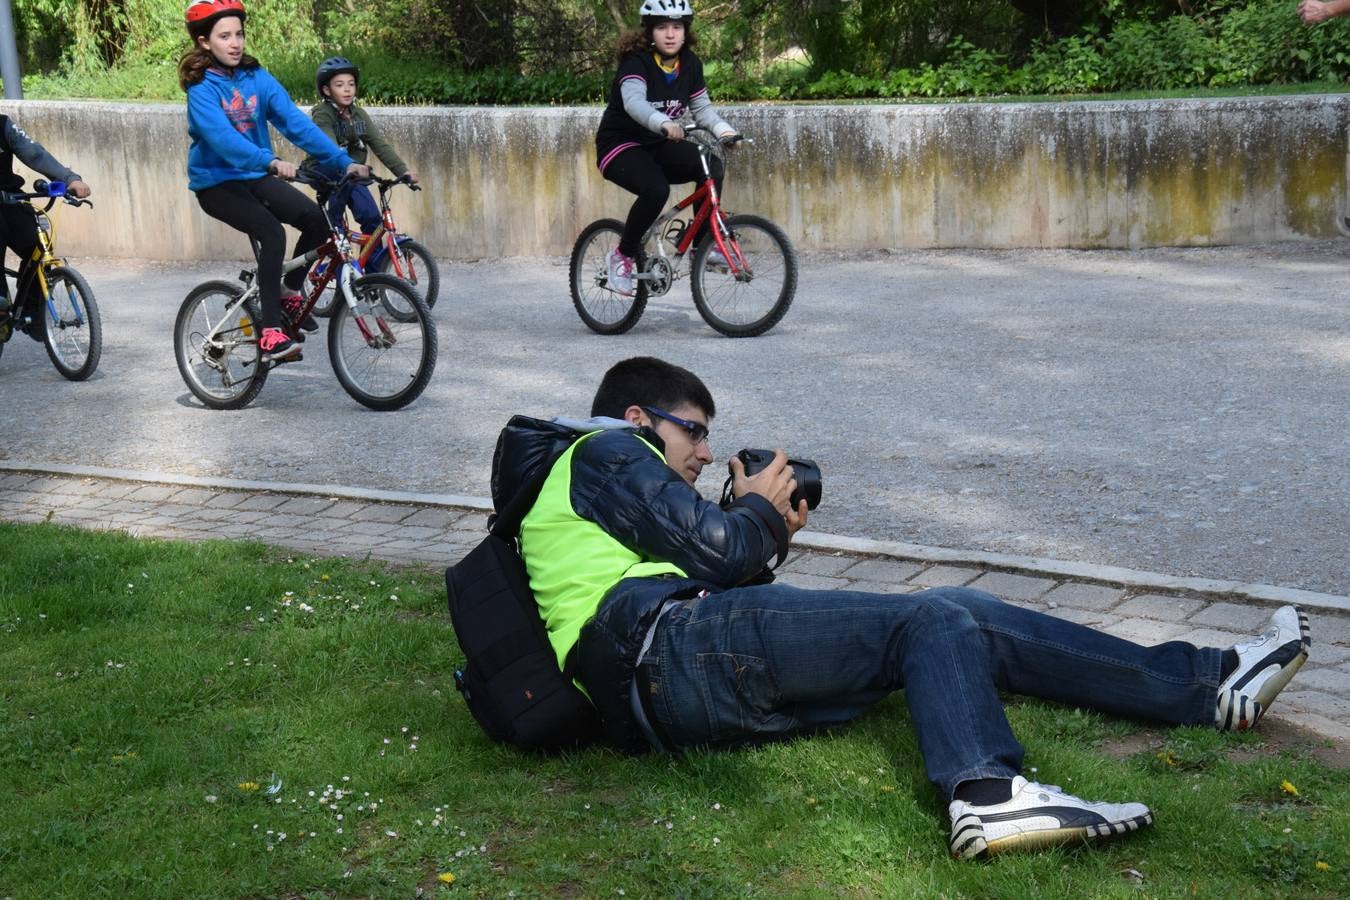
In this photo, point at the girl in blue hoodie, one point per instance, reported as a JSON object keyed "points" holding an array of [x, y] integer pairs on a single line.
{"points": [[231, 166]]}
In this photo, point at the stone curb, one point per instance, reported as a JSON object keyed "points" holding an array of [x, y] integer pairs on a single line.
{"points": [[1264, 594]]}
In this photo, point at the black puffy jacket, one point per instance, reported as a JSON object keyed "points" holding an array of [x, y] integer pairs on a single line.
{"points": [[621, 485]]}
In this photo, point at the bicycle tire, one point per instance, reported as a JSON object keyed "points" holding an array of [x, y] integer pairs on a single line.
{"points": [[746, 308], [74, 337], [228, 376], [419, 270], [366, 369], [603, 310]]}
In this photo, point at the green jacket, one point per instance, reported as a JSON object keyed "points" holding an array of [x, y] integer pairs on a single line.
{"points": [[355, 134]]}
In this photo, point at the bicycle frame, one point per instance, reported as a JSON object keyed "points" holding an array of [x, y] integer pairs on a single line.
{"points": [[44, 259], [705, 196], [337, 251], [383, 240]]}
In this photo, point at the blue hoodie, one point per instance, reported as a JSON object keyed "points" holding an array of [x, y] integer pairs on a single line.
{"points": [[227, 121]]}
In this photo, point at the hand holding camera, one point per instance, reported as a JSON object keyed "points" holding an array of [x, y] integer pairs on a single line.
{"points": [[792, 486]]}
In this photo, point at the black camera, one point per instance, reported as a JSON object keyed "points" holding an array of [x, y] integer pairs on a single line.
{"points": [[805, 471]]}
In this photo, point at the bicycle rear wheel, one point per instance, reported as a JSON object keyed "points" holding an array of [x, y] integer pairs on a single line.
{"points": [[71, 326], [604, 310], [384, 359], [223, 372], [753, 300], [415, 265], [323, 307]]}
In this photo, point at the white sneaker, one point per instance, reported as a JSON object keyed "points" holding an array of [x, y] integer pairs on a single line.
{"points": [[1038, 815], [716, 260], [620, 273], [1265, 665]]}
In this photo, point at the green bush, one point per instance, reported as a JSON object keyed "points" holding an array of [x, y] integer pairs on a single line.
{"points": [[1223, 45]]}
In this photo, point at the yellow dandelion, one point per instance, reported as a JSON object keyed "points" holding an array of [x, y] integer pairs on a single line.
{"points": [[810, 801], [1288, 788], [325, 578], [1321, 866], [887, 788], [248, 785], [449, 877], [1167, 757]]}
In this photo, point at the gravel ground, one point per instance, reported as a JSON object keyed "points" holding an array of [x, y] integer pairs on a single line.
{"points": [[1179, 411]]}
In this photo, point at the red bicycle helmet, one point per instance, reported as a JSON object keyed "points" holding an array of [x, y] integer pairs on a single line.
{"points": [[203, 12]]}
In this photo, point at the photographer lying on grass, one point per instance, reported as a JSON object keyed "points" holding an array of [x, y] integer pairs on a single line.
{"points": [[661, 600]]}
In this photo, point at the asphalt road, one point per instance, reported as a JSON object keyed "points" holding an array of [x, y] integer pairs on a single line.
{"points": [[1179, 411]]}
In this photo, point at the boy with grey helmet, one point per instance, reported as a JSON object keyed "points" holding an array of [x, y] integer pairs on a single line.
{"points": [[340, 117]]}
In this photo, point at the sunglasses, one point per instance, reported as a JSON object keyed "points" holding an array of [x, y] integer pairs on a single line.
{"points": [[698, 433]]}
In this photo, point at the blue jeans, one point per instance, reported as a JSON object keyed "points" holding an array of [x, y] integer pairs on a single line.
{"points": [[358, 198], [764, 661]]}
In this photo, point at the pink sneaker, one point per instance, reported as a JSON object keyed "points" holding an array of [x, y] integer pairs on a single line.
{"points": [[292, 306], [276, 347], [620, 273]]}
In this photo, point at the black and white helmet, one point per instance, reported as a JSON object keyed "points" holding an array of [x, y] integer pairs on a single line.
{"points": [[660, 10]]}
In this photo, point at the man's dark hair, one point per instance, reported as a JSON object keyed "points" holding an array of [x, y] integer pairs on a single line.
{"points": [[647, 381]]}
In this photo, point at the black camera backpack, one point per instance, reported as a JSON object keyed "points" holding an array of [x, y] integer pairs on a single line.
{"points": [[511, 680]]}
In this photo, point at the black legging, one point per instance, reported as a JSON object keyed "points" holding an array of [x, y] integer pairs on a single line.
{"points": [[649, 172], [18, 232], [258, 208]]}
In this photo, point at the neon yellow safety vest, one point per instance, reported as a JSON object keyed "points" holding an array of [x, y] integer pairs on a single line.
{"points": [[571, 561]]}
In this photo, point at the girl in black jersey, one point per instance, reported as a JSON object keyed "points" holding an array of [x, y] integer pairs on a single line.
{"points": [[640, 145]]}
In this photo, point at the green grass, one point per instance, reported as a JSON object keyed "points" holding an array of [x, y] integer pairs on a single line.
{"points": [[143, 682]]}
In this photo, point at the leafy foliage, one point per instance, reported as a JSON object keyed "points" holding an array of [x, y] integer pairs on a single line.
{"points": [[537, 51]]}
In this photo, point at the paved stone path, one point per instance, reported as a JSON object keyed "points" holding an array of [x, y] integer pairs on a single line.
{"points": [[438, 530]]}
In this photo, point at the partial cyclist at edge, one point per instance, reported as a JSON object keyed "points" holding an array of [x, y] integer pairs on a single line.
{"points": [[232, 169], [18, 222], [640, 144]]}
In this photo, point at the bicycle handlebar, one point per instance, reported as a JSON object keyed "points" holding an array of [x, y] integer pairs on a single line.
{"points": [[388, 184], [51, 191], [731, 141], [322, 182]]}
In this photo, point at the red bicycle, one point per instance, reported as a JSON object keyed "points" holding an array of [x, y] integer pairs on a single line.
{"points": [[743, 275], [386, 250], [381, 339]]}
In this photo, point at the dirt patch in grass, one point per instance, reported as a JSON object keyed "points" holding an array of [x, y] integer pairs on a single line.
{"points": [[1277, 736]]}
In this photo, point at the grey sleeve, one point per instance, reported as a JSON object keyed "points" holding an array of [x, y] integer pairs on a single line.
{"points": [[705, 115], [634, 94], [35, 156]]}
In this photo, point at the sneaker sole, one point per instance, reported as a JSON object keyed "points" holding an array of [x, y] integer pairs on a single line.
{"points": [[273, 363], [976, 845], [285, 356]]}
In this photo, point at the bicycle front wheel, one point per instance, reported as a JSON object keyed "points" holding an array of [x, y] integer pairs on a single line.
{"points": [[753, 298], [215, 340], [604, 310], [71, 326], [415, 265], [383, 343]]}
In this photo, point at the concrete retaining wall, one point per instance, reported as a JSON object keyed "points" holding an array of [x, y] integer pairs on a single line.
{"points": [[510, 181]]}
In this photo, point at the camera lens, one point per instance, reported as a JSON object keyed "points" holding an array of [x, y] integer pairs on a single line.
{"points": [[807, 474]]}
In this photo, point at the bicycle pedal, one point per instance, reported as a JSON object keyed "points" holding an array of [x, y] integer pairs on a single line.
{"points": [[290, 359]]}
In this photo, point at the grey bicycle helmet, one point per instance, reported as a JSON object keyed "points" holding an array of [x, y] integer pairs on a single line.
{"points": [[661, 10], [332, 67]]}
